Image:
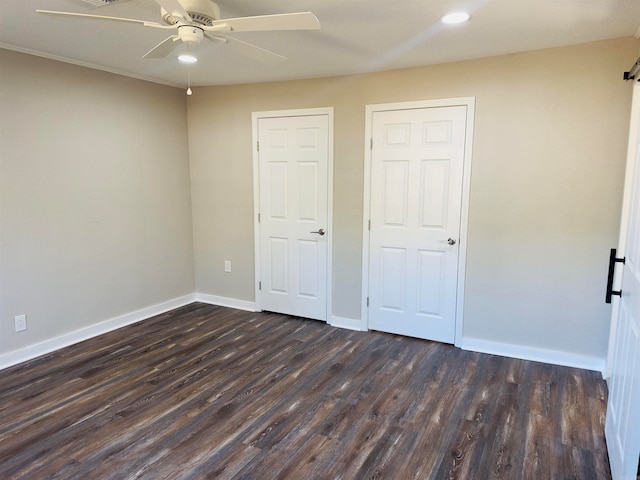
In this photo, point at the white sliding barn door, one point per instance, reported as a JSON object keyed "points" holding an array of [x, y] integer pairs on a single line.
{"points": [[623, 409], [417, 163], [293, 154]]}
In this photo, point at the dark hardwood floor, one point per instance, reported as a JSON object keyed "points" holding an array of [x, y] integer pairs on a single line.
{"points": [[210, 392]]}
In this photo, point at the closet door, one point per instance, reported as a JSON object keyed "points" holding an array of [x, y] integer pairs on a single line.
{"points": [[623, 409], [293, 168]]}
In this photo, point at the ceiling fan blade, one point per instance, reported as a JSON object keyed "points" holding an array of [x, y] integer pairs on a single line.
{"points": [[250, 50], [101, 17], [175, 9], [164, 48], [262, 23]]}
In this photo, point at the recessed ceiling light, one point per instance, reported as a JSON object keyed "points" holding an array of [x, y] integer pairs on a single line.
{"points": [[187, 59], [455, 17]]}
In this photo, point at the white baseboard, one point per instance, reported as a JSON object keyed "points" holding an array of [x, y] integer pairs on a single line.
{"points": [[554, 357], [42, 348], [225, 302], [348, 323], [473, 344]]}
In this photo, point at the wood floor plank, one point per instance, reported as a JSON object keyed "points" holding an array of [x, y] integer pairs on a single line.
{"points": [[209, 392], [304, 461]]}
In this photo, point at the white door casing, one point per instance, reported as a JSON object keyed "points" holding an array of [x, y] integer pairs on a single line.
{"points": [[622, 427], [417, 173], [292, 199]]}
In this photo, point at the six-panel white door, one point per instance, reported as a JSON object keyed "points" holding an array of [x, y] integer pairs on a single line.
{"points": [[293, 159], [416, 197], [622, 426]]}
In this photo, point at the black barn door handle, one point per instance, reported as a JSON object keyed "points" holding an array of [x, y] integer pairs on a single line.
{"points": [[612, 266]]}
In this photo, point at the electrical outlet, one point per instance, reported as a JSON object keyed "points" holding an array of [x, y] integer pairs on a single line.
{"points": [[21, 323], [227, 265]]}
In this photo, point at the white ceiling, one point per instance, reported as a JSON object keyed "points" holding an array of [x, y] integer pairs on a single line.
{"points": [[356, 35]]}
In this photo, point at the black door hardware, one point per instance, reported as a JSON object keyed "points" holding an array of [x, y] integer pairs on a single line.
{"points": [[612, 265]]}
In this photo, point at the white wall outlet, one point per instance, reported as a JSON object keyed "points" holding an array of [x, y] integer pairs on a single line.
{"points": [[227, 265], [21, 322]]}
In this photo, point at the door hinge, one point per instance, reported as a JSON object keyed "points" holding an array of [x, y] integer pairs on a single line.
{"points": [[259, 285], [258, 218], [258, 146], [367, 301], [369, 225], [371, 144]]}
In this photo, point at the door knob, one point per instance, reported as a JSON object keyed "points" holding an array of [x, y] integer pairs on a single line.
{"points": [[319, 232], [451, 241]]}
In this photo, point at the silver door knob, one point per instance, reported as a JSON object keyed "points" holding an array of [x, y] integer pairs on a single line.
{"points": [[319, 232], [451, 241]]}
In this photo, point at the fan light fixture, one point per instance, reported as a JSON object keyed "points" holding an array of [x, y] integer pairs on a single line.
{"points": [[455, 17], [184, 58]]}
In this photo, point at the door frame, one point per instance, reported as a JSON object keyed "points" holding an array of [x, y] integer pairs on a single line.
{"points": [[469, 103], [304, 112]]}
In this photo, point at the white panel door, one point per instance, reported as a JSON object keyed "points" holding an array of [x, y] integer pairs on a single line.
{"points": [[623, 409], [293, 160], [416, 198]]}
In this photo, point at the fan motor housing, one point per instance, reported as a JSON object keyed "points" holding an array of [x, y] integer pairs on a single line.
{"points": [[202, 12], [190, 34]]}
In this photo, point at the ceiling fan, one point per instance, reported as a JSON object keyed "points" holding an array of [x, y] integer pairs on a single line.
{"points": [[198, 19]]}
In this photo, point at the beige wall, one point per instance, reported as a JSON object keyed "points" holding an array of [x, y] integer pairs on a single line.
{"points": [[95, 210], [95, 213], [548, 163]]}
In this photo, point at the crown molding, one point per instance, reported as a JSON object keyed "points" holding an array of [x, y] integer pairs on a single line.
{"points": [[93, 66]]}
